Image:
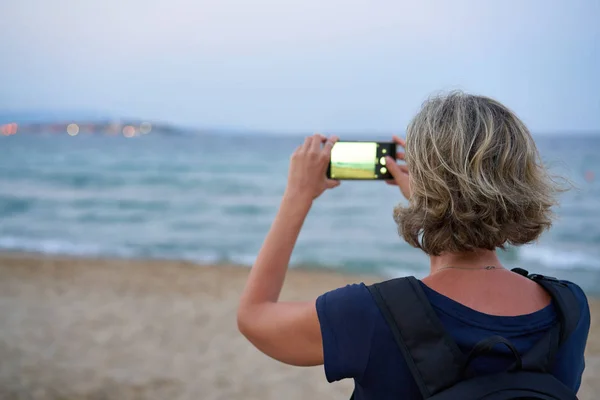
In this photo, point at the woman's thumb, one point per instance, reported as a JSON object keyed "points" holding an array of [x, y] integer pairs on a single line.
{"points": [[331, 183], [393, 167], [399, 172]]}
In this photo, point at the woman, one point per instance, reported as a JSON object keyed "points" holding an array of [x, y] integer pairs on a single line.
{"points": [[475, 183]]}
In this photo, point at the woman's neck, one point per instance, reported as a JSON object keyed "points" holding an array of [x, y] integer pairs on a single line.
{"points": [[469, 259]]}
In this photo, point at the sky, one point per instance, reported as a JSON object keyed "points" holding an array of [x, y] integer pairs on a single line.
{"points": [[300, 65]]}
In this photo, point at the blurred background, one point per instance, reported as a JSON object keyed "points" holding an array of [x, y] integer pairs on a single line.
{"points": [[140, 137]]}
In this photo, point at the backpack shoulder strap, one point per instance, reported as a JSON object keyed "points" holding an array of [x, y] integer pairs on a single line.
{"points": [[565, 301], [541, 356], [567, 305], [432, 356]]}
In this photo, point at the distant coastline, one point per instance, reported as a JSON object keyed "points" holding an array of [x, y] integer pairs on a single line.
{"points": [[103, 124], [127, 128]]}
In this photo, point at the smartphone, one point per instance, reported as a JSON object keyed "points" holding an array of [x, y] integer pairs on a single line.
{"points": [[360, 160]]}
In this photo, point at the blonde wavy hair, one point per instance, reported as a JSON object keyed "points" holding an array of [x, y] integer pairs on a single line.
{"points": [[476, 178]]}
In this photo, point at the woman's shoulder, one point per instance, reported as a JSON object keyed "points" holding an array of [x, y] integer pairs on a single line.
{"points": [[534, 321], [357, 297], [349, 319], [350, 299]]}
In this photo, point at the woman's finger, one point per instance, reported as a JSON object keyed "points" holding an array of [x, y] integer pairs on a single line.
{"points": [[393, 168], [307, 143], [329, 145], [400, 155], [316, 140], [399, 141]]}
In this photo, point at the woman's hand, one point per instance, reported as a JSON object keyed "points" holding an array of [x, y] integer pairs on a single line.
{"points": [[399, 172], [308, 168]]}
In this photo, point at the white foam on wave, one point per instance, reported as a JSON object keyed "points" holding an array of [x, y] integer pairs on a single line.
{"points": [[63, 247], [244, 259], [54, 246], [391, 273], [214, 258], [559, 259]]}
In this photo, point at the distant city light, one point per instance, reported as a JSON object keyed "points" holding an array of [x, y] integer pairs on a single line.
{"points": [[114, 128], [145, 127], [87, 128], [589, 176], [73, 129], [9, 129], [128, 131], [126, 128]]}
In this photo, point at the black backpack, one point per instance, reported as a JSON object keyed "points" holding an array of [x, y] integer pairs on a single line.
{"points": [[442, 371]]}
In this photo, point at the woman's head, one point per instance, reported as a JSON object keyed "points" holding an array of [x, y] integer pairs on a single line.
{"points": [[477, 181]]}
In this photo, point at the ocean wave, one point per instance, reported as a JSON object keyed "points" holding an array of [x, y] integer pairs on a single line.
{"points": [[83, 180], [69, 248], [558, 259], [51, 246], [543, 257], [391, 273], [217, 258], [120, 204], [13, 205], [246, 210], [98, 218]]}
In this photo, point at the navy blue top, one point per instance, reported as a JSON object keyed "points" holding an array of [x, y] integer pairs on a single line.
{"points": [[358, 344]]}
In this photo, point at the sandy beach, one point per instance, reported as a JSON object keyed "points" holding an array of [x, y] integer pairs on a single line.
{"points": [[120, 329]]}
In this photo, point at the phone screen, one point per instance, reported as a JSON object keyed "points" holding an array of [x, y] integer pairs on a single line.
{"points": [[360, 160]]}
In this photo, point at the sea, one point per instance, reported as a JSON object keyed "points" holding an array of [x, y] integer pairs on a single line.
{"points": [[211, 198]]}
